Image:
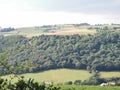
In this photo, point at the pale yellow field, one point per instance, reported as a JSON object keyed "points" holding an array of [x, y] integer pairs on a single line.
{"points": [[32, 31], [66, 32], [109, 74], [71, 32]]}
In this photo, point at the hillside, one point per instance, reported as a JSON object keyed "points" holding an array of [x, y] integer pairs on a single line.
{"points": [[91, 52], [59, 29], [48, 30]]}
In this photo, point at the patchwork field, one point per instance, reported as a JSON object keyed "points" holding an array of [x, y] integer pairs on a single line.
{"points": [[34, 31]]}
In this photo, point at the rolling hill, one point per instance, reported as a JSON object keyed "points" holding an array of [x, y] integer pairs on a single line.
{"points": [[69, 29]]}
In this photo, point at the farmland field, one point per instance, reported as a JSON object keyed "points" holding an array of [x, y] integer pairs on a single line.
{"points": [[72, 32], [33, 31], [110, 74], [64, 75], [57, 76], [79, 87]]}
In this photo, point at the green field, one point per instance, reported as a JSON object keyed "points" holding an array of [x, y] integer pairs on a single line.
{"points": [[64, 75], [57, 76], [79, 87], [64, 29], [37, 31], [27, 31]]}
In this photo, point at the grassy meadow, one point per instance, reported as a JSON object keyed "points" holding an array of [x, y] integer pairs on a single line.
{"points": [[35, 31], [110, 74], [57, 76], [79, 87], [63, 75], [71, 32]]}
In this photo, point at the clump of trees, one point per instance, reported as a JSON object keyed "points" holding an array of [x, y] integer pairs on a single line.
{"points": [[6, 29]]}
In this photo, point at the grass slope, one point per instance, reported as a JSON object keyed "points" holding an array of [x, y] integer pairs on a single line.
{"points": [[71, 31], [57, 76], [64, 75], [110, 74], [33, 31], [79, 87]]}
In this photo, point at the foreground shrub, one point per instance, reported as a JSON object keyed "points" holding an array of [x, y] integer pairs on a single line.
{"points": [[77, 82], [22, 84], [69, 83]]}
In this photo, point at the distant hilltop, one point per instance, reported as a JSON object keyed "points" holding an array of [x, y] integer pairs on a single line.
{"points": [[58, 29]]}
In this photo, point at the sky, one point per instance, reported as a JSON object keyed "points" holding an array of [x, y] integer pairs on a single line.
{"points": [[24, 13]]}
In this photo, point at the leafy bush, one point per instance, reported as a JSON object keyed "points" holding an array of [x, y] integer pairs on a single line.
{"points": [[23, 84], [77, 82], [69, 83]]}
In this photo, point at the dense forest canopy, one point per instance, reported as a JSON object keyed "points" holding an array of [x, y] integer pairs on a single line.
{"points": [[91, 52]]}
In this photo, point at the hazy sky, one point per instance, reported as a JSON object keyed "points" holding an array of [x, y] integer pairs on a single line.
{"points": [[20, 13]]}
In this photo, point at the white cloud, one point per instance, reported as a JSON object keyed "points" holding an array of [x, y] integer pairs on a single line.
{"points": [[19, 13]]}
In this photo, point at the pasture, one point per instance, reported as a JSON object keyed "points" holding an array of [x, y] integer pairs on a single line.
{"points": [[56, 76], [35, 31], [110, 74], [80, 87], [71, 32], [63, 75]]}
